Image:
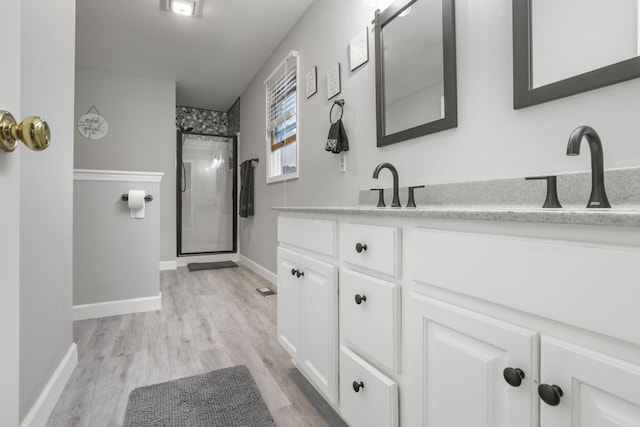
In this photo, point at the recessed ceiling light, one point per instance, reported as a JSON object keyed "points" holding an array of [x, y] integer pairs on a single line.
{"points": [[191, 8], [183, 7]]}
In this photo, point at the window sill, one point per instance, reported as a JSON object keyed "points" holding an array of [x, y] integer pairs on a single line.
{"points": [[281, 178]]}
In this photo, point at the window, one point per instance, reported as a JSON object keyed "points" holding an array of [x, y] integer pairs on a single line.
{"points": [[282, 120]]}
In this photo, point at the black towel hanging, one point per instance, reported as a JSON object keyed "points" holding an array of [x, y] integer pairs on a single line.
{"points": [[337, 140], [246, 188]]}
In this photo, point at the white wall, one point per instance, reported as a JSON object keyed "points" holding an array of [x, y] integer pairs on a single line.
{"points": [[492, 139], [142, 135], [46, 180]]}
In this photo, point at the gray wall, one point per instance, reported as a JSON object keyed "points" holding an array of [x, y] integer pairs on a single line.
{"points": [[48, 28], [142, 135], [115, 257], [491, 141]]}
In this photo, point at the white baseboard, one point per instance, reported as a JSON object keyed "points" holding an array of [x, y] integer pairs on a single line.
{"points": [[117, 308], [260, 270], [168, 265], [40, 411], [181, 261]]}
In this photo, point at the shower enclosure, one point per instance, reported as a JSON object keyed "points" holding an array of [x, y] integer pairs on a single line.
{"points": [[206, 194]]}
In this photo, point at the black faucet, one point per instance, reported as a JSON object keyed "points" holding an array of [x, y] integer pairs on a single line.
{"points": [[394, 172], [598, 198]]}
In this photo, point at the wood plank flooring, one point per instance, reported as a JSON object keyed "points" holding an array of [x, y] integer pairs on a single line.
{"points": [[209, 320]]}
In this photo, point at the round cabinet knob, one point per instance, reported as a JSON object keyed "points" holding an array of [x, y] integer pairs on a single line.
{"points": [[550, 394], [293, 271], [513, 376], [360, 298], [357, 386], [299, 273], [360, 247]]}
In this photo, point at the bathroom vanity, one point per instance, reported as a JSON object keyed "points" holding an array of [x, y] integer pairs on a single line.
{"points": [[461, 316]]}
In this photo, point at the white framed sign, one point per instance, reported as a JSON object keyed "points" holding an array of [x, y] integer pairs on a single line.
{"points": [[359, 49], [312, 82], [333, 81]]}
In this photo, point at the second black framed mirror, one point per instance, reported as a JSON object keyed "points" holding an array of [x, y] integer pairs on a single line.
{"points": [[565, 47]]}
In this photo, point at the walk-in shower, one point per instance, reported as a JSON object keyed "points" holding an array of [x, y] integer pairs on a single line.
{"points": [[206, 194]]}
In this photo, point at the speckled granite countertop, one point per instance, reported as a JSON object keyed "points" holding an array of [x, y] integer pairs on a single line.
{"points": [[508, 199], [627, 216]]}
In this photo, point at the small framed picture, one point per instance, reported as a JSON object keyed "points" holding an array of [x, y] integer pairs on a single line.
{"points": [[312, 82], [333, 81], [359, 49]]}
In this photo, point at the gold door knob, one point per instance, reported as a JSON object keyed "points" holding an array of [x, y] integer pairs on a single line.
{"points": [[34, 132]]}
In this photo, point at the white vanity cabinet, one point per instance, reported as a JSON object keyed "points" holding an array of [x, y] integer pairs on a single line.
{"points": [[447, 323], [307, 302]]}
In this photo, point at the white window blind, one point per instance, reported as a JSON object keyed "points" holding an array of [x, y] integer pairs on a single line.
{"points": [[281, 116]]}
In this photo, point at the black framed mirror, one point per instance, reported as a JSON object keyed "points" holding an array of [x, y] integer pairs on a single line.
{"points": [[416, 92], [566, 47]]}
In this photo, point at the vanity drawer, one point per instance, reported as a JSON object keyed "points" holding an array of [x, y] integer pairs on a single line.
{"points": [[379, 247], [370, 317], [375, 404], [316, 235]]}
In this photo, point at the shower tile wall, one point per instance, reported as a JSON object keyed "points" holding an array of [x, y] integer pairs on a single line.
{"points": [[202, 121], [234, 118]]}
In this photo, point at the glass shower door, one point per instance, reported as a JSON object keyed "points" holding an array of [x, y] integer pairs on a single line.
{"points": [[206, 194]]}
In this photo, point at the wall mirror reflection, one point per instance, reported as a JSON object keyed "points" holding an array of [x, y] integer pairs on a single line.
{"points": [[565, 47], [415, 69]]}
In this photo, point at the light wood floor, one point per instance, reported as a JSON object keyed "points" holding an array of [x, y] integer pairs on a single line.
{"points": [[209, 320]]}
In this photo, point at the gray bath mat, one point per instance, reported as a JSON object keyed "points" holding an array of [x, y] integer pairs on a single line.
{"points": [[194, 266], [226, 397]]}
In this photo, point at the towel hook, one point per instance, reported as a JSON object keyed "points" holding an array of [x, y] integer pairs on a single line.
{"points": [[340, 103]]}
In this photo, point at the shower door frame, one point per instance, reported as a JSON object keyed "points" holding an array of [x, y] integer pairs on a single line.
{"points": [[234, 139]]}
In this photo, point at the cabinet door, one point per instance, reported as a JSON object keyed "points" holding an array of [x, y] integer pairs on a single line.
{"points": [[320, 323], [289, 302], [597, 390], [458, 357]]}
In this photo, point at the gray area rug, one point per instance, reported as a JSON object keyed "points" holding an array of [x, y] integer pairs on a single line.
{"points": [[226, 397], [195, 266]]}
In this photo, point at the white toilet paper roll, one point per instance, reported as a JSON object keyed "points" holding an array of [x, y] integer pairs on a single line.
{"points": [[136, 203]]}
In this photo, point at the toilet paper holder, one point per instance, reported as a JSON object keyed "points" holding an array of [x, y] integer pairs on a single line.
{"points": [[147, 198]]}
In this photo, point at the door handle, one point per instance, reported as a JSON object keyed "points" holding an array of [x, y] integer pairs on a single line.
{"points": [[34, 132]]}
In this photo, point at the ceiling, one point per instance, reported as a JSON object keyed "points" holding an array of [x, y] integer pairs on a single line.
{"points": [[212, 58]]}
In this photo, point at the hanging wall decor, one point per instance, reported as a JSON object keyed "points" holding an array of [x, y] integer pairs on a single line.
{"points": [[93, 125], [359, 49], [333, 81], [312, 82]]}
